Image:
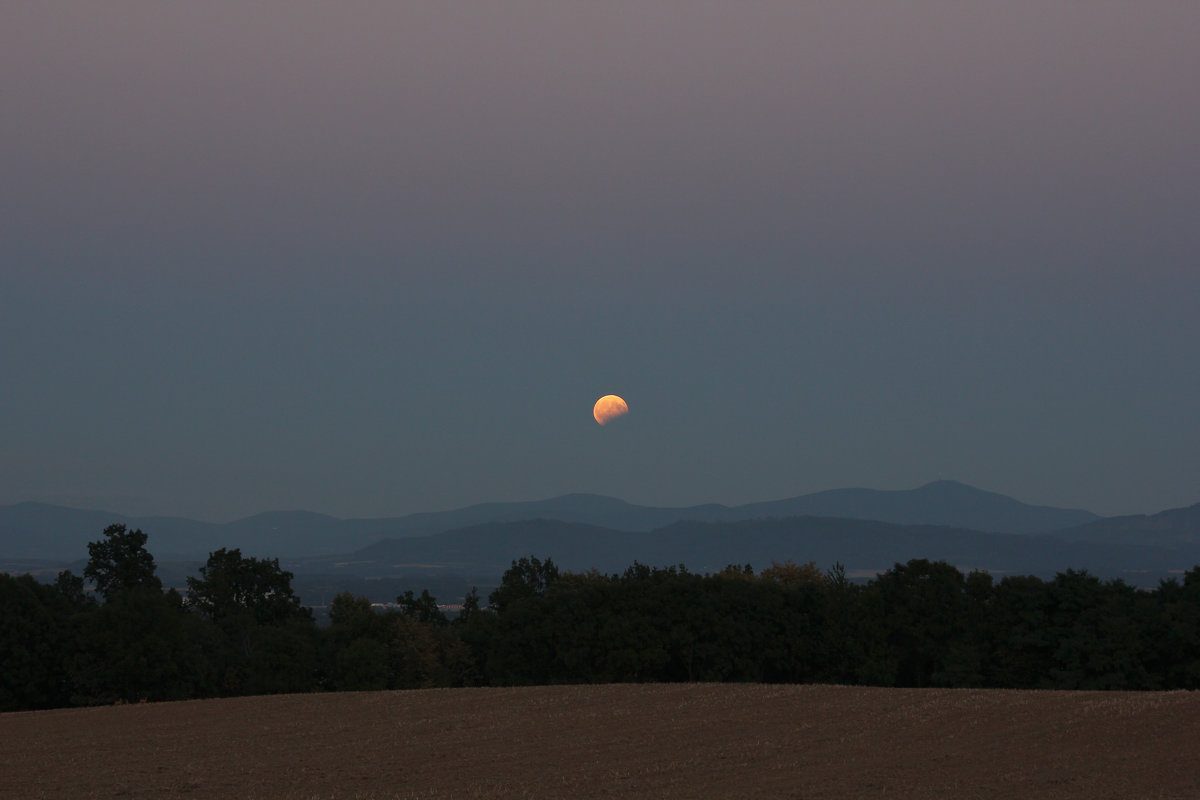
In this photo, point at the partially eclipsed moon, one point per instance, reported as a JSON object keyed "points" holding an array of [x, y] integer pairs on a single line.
{"points": [[609, 408]]}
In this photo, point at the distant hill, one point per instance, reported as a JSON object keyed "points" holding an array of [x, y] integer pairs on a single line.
{"points": [[939, 503], [863, 546], [40, 531], [1176, 528], [866, 530]]}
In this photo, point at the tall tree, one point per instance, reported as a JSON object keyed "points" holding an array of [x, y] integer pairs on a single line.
{"points": [[423, 608], [231, 586], [528, 577], [270, 640], [120, 562]]}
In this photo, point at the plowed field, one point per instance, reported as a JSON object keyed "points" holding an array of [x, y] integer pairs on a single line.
{"points": [[660, 741]]}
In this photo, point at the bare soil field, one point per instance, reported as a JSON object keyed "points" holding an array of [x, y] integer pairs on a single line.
{"points": [[624, 741]]}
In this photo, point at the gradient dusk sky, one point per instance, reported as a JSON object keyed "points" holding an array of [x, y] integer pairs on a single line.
{"points": [[378, 258]]}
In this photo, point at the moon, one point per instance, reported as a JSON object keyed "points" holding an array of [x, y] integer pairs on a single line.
{"points": [[608, 408]]}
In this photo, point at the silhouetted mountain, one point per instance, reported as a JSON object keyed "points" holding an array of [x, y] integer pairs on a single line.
{"points": [[1177, 527], [864, 546], [38, 531], [379, 555], [41, 531], [938, 503]]}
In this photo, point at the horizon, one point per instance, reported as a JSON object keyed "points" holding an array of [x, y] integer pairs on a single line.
{"points": [[386, 262], [270, 511]]}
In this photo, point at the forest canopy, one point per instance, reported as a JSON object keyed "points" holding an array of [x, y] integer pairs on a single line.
{"points": [[115, 635]]}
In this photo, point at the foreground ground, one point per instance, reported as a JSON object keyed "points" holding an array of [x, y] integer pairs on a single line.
{"points": [[661, 741]]}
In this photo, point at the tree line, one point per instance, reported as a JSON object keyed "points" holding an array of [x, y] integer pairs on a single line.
{"points": [[114, 635]]}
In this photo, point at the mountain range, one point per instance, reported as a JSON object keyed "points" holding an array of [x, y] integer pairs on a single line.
{"points": [[867, 530], [40, 531]]}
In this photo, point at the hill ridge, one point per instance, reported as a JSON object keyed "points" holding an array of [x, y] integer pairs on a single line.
{"points": [[39, 530]]}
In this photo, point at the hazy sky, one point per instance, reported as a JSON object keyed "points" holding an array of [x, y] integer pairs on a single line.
{"points": [[378, 258]]}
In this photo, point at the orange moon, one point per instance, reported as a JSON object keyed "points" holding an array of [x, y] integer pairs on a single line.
{"points": [[608, 408]]}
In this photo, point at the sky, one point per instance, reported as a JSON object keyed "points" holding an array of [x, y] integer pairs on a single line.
{"points": [[371, 258]]}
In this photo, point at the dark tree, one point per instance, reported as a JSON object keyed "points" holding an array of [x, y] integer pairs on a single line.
{"points": [[1022, 640], [410, 648], [475, 627], [1094, 627], [1176, 638], [120, 562], [268, 640], [423, 608], [139, 646], [923, 612], [232, 586], [470, 607], [842, 645], [526, 578], [70, 588], [355, 645], [35, 644], [353, 615]]}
